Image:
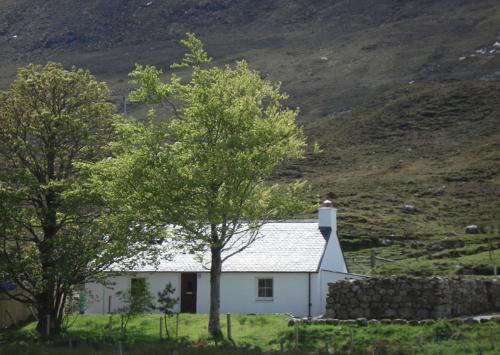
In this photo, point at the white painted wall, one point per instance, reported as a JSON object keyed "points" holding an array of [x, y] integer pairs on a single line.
{"points": [[238, 292], [98, 295]]}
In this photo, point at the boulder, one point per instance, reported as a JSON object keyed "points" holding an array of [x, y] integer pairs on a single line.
{"points": [[400, 321], [410, 208], [347, 322], [472, 229], [470, 320], [427, 322], [362, 322], [332, 321]]}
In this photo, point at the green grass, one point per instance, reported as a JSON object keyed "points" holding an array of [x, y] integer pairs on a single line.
{"points": [[192, 328], [257, 333]]}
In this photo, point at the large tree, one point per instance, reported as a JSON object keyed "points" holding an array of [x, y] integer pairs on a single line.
{"points": [[51, 238], [205, 168]]}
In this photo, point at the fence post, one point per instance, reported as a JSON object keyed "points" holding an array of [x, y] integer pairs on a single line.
{"points": [[109, 304], [296, 337], [229, 330], [110, 325], [373, 259], [161, 328], [177, 324], [492, 258], [122, 330], [47, 330], [493, 338]]}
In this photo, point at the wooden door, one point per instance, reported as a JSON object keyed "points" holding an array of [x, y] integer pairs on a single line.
{"points": [[188, 292]]}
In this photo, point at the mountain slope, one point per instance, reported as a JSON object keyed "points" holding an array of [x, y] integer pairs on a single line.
{"points": [[330, 55], [402, 95]]}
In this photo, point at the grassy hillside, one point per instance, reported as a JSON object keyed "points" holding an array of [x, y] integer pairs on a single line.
{"points": [[403, 96], [410, 171]]}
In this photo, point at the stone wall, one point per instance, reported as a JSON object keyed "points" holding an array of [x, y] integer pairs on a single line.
{"points": [[412, 298]]}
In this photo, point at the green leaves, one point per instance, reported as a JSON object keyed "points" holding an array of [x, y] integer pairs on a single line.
{"points": [[53, 120], [196, 55], [208, 164]]}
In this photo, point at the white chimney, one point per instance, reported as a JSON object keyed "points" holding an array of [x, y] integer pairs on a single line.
{"points": [[333, 259], [327, 216]]}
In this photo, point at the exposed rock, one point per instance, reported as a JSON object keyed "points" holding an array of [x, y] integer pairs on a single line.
{"points": [[362, 322], [399, 321], [410, 209], [347, 322], [332, 321], [427, 322], [472, 229], [470, 320], [384, 242]]}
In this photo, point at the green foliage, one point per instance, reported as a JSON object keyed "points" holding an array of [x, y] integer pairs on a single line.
{"points": [[166, 303], [268, 335], [52, 119], [137, 300], [196, 55], [229, 132], [316, 149], [208, 165]]}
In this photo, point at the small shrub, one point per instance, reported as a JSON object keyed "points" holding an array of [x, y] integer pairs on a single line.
{"points": [[443, 330]]}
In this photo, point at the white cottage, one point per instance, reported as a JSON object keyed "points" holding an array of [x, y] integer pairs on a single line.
{"points": [[286, 270]]}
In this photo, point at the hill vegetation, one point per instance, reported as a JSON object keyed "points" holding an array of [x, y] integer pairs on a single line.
{"points": [[403, 98]]}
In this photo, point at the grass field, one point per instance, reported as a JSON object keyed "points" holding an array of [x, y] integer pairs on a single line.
{"points": [[255, 334]]}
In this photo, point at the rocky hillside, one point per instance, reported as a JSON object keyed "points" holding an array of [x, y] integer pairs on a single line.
{"points": [[402, 95], [330, 55]]}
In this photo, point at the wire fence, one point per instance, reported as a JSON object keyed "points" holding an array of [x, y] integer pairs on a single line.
{"points": [[365, 264]]}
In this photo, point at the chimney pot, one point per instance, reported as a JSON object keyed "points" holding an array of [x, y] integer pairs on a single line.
{"points": [[327, 216]]}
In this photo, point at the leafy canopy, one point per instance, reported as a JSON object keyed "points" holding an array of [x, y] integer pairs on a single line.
{"points": [[51, 120], [229, 132], [206, 168]]}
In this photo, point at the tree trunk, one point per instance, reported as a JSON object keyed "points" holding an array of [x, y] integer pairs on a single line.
{"points": [[45, 307], [215, 272]]}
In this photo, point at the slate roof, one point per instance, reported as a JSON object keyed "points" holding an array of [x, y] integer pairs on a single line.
{"points": [[281, 247]]}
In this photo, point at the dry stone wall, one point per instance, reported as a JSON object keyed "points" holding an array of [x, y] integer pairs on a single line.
{"points": [[412, 298]]}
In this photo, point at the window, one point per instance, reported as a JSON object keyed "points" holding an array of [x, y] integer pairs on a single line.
{"points": [[265, 288], [137, 285]]}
